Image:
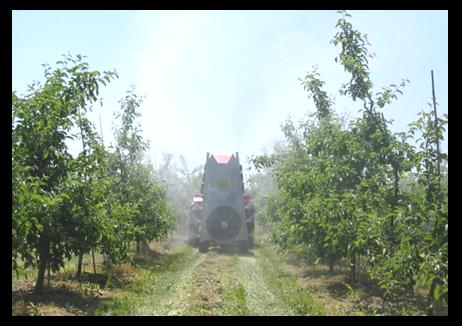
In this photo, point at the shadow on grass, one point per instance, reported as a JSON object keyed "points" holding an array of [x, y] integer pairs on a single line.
{"points": [[339, 283], [73, 302], [233, 250], [98, 278], [148, 257], [338, 289], [161, 261], [68, 295], [364, 294]]}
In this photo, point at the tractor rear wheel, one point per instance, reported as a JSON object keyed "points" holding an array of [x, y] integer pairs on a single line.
{"points": [[203, 247], [243, 247]]}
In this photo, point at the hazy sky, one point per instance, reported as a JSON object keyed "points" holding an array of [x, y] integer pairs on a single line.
{"points": [[224, 81]]}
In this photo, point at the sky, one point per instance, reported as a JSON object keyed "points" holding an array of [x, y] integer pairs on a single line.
{"points": [[224, 81]]}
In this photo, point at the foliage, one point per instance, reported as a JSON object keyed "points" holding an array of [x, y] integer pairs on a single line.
{"points": [[65, 205], [339, 186], [42, 121], [139, 198]]}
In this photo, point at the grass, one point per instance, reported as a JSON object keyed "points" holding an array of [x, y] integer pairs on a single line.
{"points": [[158, 279], [287, 286], [343, 297], [235, 295], [66, 272], [114, 289], [178, 280]]}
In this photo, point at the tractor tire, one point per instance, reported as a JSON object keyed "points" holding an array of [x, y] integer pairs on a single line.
{"points": [[251, 243], [243, 247], [203, 247]]}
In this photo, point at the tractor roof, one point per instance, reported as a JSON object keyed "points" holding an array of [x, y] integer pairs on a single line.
{"points": [[222, 159], [197, 199]]}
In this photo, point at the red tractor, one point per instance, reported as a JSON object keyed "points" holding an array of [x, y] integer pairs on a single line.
{"points": [[222, 214]]}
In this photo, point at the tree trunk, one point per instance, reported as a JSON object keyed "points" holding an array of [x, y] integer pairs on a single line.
{"points": [[145, 246], [431, 310], [396, 182], [48, 272], [44, 257], [93, 256], [395, 192], [353, 267], [79, 266], [331, 265]]}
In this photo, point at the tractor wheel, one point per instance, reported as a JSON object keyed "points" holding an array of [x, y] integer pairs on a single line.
{"points": [[243, 247], [251, 244], [203, 247], [194, 242]]}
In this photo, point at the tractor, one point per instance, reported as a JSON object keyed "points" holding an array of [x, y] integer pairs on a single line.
{"points": [[222, 214]]}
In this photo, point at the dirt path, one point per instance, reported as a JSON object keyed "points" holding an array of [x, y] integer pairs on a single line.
{"points": [[226, 284]]}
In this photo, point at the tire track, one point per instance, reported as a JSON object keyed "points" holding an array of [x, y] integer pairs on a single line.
{"points": [[228, 284], [174, 285], [213, 283], [261, 300]]}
